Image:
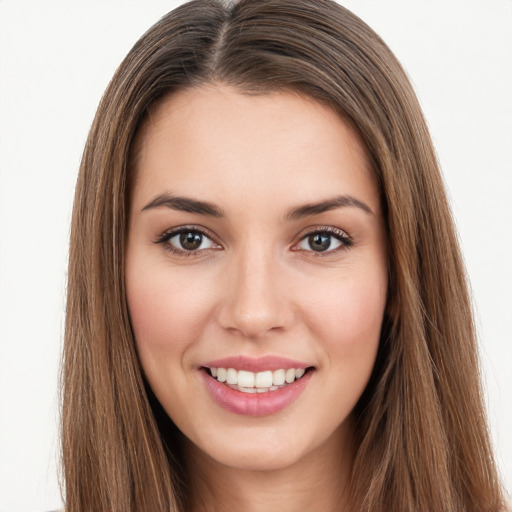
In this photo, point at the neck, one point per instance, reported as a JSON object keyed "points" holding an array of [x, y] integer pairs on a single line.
{"points": [[318, 482]]}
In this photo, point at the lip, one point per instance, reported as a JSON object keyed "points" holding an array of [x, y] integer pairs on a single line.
{"points": [[258, 364], [254, 404]]}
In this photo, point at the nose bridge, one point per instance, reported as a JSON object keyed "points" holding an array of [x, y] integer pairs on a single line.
{"points": [[255, 302]]}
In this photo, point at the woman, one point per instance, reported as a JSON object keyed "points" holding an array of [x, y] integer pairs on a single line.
{"points": [[259, 313]]}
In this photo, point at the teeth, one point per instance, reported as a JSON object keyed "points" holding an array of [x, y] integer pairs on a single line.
{"points": [[263, 379], [232, 376], [260, 382], [246, 390], [245, 379], [222, 374], [278, 377], [290, 375]]}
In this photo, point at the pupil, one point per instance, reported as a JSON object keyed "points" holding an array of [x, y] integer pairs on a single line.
{"points": [[191, 241], [319, 242]]}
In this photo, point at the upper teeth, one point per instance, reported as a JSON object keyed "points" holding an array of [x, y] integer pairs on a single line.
{"points": [[261, 380]]}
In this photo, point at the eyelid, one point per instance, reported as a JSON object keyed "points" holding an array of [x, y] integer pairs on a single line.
{"points": [[172, 232], [339, 234]]}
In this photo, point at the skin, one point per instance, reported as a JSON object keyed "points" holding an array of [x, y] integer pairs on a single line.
{"points": [[257, 288]]}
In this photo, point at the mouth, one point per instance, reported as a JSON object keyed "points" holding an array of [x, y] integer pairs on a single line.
{"points": [[264, 381], [255, 387]]}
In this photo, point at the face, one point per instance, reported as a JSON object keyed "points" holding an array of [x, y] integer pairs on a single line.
{"points": [[256, 272]]}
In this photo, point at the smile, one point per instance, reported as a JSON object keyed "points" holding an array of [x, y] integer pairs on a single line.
{"points": [[260, 382], [255, 387]]}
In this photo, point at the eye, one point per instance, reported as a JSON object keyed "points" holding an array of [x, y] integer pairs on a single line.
{"points": [[324, 240], [187, 241]]}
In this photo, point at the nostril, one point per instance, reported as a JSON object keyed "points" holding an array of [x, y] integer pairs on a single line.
{"points": [[255, 309]]}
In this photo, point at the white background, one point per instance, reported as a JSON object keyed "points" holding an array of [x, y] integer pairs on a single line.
{"points": [[56, 60]]}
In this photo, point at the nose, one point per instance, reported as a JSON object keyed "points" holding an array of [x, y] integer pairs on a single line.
{"points": [[255, 300]]}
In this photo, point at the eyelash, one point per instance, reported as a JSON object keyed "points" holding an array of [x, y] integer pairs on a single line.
{"points": [[165, 237], [345, 240]]}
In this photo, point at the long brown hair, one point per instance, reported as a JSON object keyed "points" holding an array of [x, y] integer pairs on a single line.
{"points": [[422, 439]]}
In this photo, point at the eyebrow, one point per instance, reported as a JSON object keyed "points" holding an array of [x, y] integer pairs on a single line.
{"points": [[327, 205], [184, 204]]}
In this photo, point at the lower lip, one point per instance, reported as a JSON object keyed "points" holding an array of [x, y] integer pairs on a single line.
{"points": [[254, 404]]}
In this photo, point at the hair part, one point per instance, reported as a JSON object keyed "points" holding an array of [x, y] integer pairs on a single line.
{"points": [[416, 449]]}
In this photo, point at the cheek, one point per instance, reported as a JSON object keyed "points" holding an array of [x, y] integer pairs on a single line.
{"points": [[347, 313], [167, 310], [347, 325]]}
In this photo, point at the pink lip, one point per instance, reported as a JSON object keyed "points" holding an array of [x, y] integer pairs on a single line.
{"points": [[254, 404], [258, 364]]}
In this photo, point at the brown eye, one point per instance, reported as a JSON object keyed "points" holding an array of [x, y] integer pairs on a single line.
{"points": [[319, 242], [191, 240], [187, 241], [327, 240]]}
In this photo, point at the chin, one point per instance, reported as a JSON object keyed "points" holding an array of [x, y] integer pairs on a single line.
{"points": [[269, 448], [254, 456]]}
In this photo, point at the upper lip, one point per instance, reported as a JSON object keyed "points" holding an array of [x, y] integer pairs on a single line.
{"points": [[256, 364]]}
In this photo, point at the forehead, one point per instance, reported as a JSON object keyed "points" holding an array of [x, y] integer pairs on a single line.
{"points": [[213, 139]]}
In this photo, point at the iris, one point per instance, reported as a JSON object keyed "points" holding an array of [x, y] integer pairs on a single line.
{"points": [[319, 242]]}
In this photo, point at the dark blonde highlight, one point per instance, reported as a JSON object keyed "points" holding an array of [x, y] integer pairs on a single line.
{"points": [[416, 448]]}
